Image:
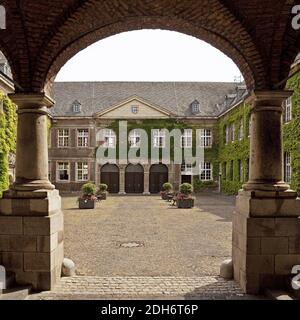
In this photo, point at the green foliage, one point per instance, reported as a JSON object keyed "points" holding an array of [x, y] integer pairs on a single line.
{"points": [[8, 130], [291, 133], [199, 185], [167, 187], [88, 189], [103, 187], [186, 188], [232, 154]]}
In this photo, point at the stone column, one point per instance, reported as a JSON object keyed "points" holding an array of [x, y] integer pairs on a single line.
{"points": [[32, 142], [31, 221], [146, 180], [266, 224], [122, 169]]}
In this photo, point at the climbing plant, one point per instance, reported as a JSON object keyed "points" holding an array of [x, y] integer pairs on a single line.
{"points": [[291, 133], [8, 124], [236, 151]]}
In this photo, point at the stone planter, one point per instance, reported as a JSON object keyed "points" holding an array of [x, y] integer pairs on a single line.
{"points": [[86, 204], [164, 195], [185, 203]]}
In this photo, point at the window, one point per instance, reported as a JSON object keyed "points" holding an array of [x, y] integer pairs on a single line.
{"points": [[82, 137], [134, 109], [241, 171], [249, 128], [134, 139], [159, 138], [110, 139], [76, 106], [187, 169], [288, 110], [63, 171], [205, 138], [63, 138], [233, 132], [287, 167], [227, 134], [82, 173], [187, 139], [241, 131], [195, 107], [206, 171]]}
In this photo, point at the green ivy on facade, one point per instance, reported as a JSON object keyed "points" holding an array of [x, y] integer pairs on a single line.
{"points": [[8, 131]]}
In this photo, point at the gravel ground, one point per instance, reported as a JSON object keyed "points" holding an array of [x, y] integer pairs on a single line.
{"points": [[145, 236]]}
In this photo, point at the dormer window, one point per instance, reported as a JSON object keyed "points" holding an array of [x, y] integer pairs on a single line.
{"points": [[195, 106], [76, 106]]}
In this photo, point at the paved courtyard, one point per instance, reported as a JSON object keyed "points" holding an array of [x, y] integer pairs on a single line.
{"points": [[141, 247], [145, 236]]}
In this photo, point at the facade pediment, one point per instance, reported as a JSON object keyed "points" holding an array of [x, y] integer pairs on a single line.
{"points": [[134, 108]]}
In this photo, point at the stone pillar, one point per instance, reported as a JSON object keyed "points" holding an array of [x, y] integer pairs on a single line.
{"points": [[146, 180], [266, 224], [31, 221], [122, 169]]}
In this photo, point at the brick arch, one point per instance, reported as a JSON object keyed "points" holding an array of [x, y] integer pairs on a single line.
{"points": [[211, 22]]}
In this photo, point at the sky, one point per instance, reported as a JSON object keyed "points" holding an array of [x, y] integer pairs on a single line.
{"points": [[149, 55]]}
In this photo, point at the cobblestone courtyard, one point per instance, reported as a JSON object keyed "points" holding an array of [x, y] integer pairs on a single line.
{"points": [[145, 236], [141, 247]]}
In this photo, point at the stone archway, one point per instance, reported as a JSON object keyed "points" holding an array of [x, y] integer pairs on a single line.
{"points": [[134, 179], [37, 44], [159, 174], [110, 175]]}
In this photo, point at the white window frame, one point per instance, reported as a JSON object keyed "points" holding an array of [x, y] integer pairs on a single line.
{"points": [[288, 106], [82, 170], [205, 138], [58, 170], [241, 131], [195, 108], [187, 139], [63, 135], [233, 132], [83, 137], [287, 167], [110, 139], [206, 168], [134, 139], [227, 134], [159, 138], [187, 169]]}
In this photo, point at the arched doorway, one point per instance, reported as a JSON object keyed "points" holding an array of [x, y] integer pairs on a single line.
{"points": [[134, 179], [159, 174], [110, 176]]}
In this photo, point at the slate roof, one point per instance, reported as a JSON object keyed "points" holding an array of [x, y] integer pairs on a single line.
{"points": [[175, 97]]}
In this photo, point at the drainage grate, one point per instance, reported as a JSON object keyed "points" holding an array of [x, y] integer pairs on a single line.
{"points": [[131, 244]]}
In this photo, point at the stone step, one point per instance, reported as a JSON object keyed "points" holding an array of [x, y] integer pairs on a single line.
{"points": [[17, 293]]}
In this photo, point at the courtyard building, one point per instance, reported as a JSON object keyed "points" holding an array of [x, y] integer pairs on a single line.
{"points": [[262, 40]]}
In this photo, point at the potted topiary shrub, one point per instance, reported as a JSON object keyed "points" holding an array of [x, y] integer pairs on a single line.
{"points": [[166, 190], [184, 198], [102, 193], [88, 198]]}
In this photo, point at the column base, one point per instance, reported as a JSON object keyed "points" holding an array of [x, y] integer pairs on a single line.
{"points": [[266, 186], [30, 185], [266, 241], [147, 194], [31, 237], [122, 193]]}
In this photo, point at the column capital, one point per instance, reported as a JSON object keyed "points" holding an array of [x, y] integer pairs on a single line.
{"points": [[270, 98], [31, 100]]}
